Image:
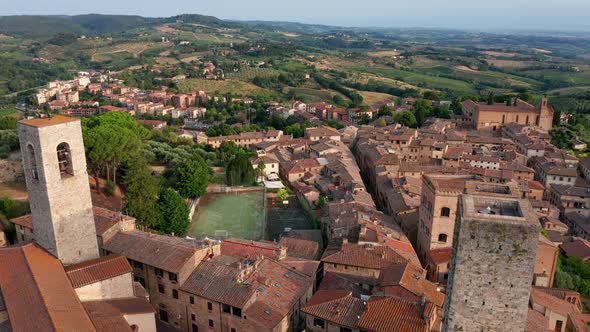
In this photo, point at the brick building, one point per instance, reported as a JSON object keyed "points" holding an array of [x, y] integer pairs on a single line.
{"points": [[494, 116]]}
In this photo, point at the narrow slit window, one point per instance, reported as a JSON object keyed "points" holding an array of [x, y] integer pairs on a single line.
{"points": [[33, 162]]}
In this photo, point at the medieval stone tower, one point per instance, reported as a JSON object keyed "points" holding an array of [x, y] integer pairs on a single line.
{"points": [[57, 182], [545, 115], [492, 268]]}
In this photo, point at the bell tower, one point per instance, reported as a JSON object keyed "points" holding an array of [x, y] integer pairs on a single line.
{"points": [[57, 183]]}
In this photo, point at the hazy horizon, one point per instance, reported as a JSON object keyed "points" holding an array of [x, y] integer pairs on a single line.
{"points": [[523, 15]]}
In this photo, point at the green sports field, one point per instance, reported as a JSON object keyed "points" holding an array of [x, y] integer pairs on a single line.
{"points": [[238, 215]]}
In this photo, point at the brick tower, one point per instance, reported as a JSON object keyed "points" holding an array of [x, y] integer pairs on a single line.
{"points": [[492, 268], [57, 182]]}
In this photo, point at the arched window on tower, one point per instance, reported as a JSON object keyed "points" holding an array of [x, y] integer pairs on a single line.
{"points": [[516, 119], [503, 118], [445, 212], [442, 237], [33, 162], [64, 159], [527, 120]]}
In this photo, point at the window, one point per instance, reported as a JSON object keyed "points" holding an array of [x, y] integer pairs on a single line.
{"points": [[233, 330], [195, 328], [345, 329], [503, 118], [175, 293], [442, 237], [192, 299], [209, 306], [193, 317], [445, 212], [158, 272], [172, 277], [140, 280], [516, 119], [211, 324], [138, 265], [318, 322], [164, 315], [33, 162], [161, 288], [64, 160], [225, 308], [527, 120], [237, 311], [558, 325]]}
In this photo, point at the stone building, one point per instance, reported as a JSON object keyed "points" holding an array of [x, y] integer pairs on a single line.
{"points": [[228, 293], [57, 183], [58, 282], [161, 264], [492, 268], [438, 212], [492, 117]]}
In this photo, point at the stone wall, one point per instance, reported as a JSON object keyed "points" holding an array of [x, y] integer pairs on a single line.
{"points": [[114, 288], [61, 206], [492, 270]]}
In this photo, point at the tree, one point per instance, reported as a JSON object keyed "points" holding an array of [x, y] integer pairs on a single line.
{"points": [[260, 169], [240, 171], [141, 193], [227, 150], [110, 139], [385, 111], [490, 99], [174, 213], [422, 109], [382, 122], [364, 119], [192, 177], [282, 194], [456, 106], [406, 118], [321, 201]]}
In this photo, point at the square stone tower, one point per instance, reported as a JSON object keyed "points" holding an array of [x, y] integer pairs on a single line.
{"points": [[492, 267], [57, 183]]}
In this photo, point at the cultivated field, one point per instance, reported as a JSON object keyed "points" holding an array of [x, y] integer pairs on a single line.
{"points": [[226, 86]]}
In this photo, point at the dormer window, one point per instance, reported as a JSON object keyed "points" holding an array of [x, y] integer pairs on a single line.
{"points": [[64, 160]]}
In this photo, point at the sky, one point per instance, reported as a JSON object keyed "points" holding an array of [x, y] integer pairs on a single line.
{"points": [[482, 15]]}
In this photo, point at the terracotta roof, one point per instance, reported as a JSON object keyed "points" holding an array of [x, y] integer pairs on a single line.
{"points": [[336, 306], [440, 256], [37, 292], [391, 314], [412, 279], [99, 269], [536, 322], [49, 121], [104, 219], [164, 252], [109, 315], [562, 307], [250, 249], [305, 266], [217, 279], [25, 221], [300, 248], [577, 248], [339, 281], [373, 257], [235, 282]]}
